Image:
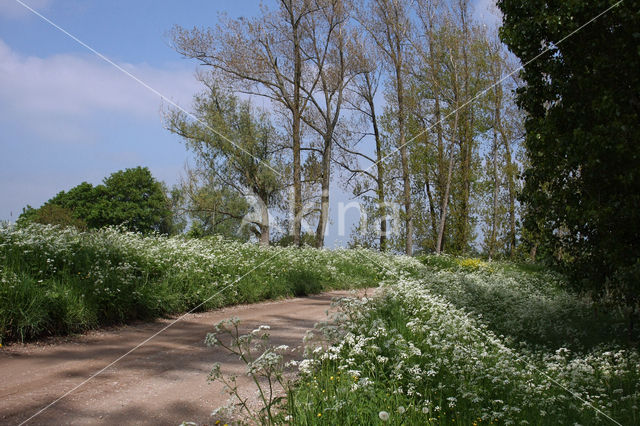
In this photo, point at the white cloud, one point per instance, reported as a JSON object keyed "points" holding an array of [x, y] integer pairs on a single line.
{"points": [[13, 10], [63, 118], [69, 88]]}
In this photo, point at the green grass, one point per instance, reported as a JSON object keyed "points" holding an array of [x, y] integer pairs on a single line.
{"points": [[449, 340], [470, 342], [58, 281], [525, 302]]}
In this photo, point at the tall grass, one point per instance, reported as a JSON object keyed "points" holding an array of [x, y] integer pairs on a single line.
{"points": [[58, 280], [469, 342], [524, 302]]}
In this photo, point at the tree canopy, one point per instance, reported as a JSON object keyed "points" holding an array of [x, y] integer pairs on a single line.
{"points": [[582, 99], [236, 178], [132, 198]]}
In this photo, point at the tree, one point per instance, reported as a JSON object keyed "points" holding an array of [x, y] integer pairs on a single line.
{"points": [[264, 56], [82, 201], [53, 214], [237, 177], [443, 80], [582, 100], [363, 89], [132, 198], [501, 168], [326, 42], [388, 23], [429, 151]]}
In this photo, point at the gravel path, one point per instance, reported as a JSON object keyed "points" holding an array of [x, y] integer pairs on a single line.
{"points": [[162, 382]]}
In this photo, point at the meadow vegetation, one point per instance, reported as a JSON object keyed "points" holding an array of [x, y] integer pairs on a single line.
{"points": [[446, 339], [469, 342], [56, 280]]}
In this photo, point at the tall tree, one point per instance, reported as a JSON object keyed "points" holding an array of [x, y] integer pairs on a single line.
{"points": [[505, 123], [468, 46], [363, 91], [455, 105], [582, 100], [326, 42], [427, 84], [264, 56], [237, 177], [388, 23]]}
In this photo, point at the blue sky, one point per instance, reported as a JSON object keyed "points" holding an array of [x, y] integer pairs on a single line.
{"points": [[67, 116]]}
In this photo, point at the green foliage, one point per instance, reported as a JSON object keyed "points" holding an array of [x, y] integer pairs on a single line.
{"points": [[306, 239], [525, 302], [582, 186], [305, 282], [58, 280], [131, 197], [27, 216], [237, 167], [82, 201], [53, 214], [430, 351]]}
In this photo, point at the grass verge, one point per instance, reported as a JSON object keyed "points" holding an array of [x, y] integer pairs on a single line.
{"points": [[58, 280]]}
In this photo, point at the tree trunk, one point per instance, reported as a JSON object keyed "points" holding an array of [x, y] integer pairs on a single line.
{"points": [[466, 142], [296, 128], [297, 184], [512, 197], [380, 176], [324, 198], [443, 210], [264, 227], [432, 210], [494, 208], [408, 220], [494, 160]]}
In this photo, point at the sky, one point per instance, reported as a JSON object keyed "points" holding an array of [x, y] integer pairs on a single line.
{"points": [[67, 116]]}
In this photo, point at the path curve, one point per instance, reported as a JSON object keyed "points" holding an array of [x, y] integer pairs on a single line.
{"points": [[162, 382]]}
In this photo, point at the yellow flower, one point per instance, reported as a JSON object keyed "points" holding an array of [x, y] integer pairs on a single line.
{"points": [[319, 414]]}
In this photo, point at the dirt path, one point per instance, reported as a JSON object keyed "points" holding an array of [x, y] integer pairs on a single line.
{"points": [[163, 382]]}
